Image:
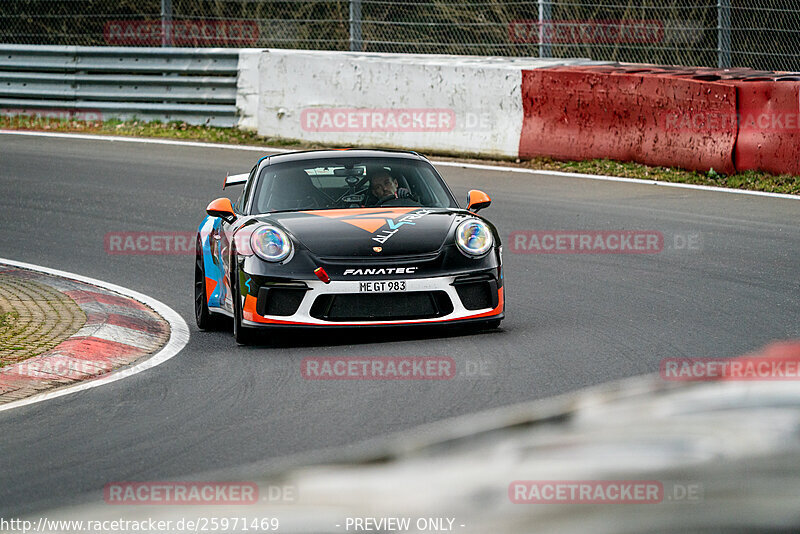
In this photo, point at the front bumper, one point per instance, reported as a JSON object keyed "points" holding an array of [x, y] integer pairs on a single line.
{"points": [[436, 300]]}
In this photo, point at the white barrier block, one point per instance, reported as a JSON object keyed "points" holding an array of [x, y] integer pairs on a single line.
{"points": [[247, 93], [431, 103]]}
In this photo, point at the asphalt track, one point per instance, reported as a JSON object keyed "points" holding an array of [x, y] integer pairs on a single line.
{"points": [[572, 320]]}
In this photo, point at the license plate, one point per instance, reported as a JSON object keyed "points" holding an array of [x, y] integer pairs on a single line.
{"points": [[387, 286]]}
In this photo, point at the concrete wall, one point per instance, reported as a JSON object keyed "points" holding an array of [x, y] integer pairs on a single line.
{"points": [[524, 107], [457, 104], [247, 88]]}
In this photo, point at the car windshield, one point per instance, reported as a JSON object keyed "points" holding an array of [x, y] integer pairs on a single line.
{"points": [[321, 184]]}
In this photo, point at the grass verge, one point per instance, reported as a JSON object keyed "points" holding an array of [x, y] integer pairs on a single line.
{"points": [[750, 180]]}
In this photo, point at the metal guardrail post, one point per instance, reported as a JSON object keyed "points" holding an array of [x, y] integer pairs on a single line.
{"points": [[724, 34], [545, 16], [355, 26], [166, 23]]}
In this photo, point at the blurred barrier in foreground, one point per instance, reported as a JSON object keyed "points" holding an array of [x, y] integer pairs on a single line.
{"points": [[721, 455]]}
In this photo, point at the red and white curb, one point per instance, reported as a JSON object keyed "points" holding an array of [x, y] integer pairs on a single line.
{"points": [[122, 326]]}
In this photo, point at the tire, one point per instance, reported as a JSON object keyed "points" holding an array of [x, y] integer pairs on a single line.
{"points": [[242, 334], [204, 318]]}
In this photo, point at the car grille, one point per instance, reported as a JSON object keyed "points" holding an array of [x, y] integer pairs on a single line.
{"points": [[381, 306], [477, 292], [279, 301]]}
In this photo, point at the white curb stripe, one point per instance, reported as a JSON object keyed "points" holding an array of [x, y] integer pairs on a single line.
{"points": [[124, 139], [492, 168], [59, 367], [541, 172], [118, 334], [99, 308], [178, 337]]}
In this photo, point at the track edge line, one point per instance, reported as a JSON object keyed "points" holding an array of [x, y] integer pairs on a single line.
{"points": [[494, 168]]}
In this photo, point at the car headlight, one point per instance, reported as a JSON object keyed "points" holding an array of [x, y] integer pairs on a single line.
{"points": [[270, 243], [473, 237]]}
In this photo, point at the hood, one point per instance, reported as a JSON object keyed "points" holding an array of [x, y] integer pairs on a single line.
{"points": [[355, 232]]}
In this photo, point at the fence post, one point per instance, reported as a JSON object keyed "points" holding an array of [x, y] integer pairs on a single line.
{"points": [[166, 22], [724, 34], [545, 16], [355, 25]]}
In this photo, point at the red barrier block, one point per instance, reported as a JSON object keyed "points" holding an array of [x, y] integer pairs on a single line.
{"points": [[769, 126], [647, 116]]}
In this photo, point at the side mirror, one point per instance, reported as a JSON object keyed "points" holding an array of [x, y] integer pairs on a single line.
{"points": [[222, 208], [477, 200]]}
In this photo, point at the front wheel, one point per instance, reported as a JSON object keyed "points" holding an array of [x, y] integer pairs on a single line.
{"points": [[204, 318], [242, 334]]}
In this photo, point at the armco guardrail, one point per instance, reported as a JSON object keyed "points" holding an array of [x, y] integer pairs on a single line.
{"points": [[198, 86]]}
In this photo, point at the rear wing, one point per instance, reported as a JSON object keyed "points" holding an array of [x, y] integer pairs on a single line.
{"points": [[235, 179]]}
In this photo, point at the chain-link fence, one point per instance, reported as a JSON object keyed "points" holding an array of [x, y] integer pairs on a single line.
{"points": [[763, 34]]}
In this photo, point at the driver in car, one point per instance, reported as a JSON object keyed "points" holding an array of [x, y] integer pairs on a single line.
{"points": [[383, 187]]}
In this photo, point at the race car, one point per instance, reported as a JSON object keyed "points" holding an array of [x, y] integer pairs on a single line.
{"points": [[342, 238]]}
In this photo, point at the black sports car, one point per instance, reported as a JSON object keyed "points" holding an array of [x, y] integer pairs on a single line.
{"points": [[346, 238]]}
